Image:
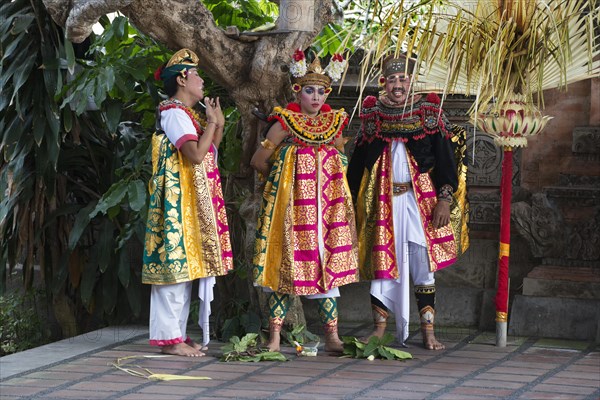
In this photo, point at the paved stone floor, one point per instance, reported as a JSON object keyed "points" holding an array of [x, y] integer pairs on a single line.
{"points": [[471, 367]]}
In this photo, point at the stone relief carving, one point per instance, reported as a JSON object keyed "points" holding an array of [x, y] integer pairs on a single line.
{"points": [[541, 225], [484, 208], [485, 169], [551, 237], [586, 140]]}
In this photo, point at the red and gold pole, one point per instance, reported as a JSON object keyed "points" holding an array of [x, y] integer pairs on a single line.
{"points": [[501, 299]]}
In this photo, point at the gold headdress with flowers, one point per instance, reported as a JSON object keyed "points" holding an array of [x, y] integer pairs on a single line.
{"points": [[314, 74]]}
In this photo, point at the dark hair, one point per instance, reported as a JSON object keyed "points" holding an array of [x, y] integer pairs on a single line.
{"points": [[170, 85]]}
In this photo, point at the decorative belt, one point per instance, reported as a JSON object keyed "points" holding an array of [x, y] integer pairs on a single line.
{"points": [[400, 188]]}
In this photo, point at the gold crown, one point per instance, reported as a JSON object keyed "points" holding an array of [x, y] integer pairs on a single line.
{"points": [[314, 75], [184, 57]]}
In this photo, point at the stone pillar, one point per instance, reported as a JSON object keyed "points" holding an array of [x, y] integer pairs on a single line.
{"points": [[296, 15]]}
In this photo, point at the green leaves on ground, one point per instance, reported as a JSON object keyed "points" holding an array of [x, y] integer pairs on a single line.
{"points": [[374, 348], [300, 334], [246, 349]]}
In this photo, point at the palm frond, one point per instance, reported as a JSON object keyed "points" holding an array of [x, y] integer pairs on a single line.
{"points": [[494, 49]]}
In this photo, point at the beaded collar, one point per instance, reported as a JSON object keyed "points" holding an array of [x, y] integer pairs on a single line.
{"points": [[197, 120], [305, 130], [413, 122]]}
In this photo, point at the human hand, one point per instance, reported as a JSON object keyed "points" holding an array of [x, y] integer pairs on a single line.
{"points": [[441, 214], [219, 113], [211, 113]]}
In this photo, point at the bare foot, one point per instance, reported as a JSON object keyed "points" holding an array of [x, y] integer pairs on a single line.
{"points": [[274, 341], [334, 346], [181, 349], [333, 343], [429, 340], [378, 332], [196, 345]]}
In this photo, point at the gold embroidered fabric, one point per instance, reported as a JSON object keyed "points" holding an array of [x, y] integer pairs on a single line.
{"points": [[287, 257], [377, 251], [187, 236]]}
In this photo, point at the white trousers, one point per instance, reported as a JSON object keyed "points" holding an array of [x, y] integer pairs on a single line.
{"points": [[395, 294], [170, 308]]}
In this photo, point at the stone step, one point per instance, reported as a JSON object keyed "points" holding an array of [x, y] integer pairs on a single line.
{"points": [[574, 319], [560, 281]]}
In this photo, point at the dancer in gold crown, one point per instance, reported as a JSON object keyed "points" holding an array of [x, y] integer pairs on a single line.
{"points": [[306, 237]]}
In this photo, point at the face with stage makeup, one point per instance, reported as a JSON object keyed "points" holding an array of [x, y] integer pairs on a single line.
{"points": [[311, 98], [397, 86]]}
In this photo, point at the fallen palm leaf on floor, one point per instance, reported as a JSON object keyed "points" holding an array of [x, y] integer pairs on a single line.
{"points": [[141, 372], [374, 348], [246, 349]]}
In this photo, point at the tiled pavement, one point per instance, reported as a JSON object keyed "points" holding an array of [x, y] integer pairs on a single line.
{"points": [[471, 367]]}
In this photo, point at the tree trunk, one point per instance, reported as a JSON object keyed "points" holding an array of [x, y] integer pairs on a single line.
{"points": [[255, 74]]}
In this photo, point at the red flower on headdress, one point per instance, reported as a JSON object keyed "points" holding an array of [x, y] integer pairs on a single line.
{"points": [[158, 72], [299, 55]]}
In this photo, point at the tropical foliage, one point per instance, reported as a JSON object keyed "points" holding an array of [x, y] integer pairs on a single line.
{"points": [[74, 167], [21, 324]]}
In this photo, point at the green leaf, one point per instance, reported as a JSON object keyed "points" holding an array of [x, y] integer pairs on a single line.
{"points": [[88, 282], [82, 220], [120, 27], [107, 76], [70, 55], [387, 338], [105, 245], [39, 128], [110, 288], [53, 119], [371, 346], [113, 115], [22, 23], [249, 340], [23, 72], [124, 267], [67, 119], [399, 354], [384, 353], [136, 192], [272, 356], [112, 198], [99, 94]]}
